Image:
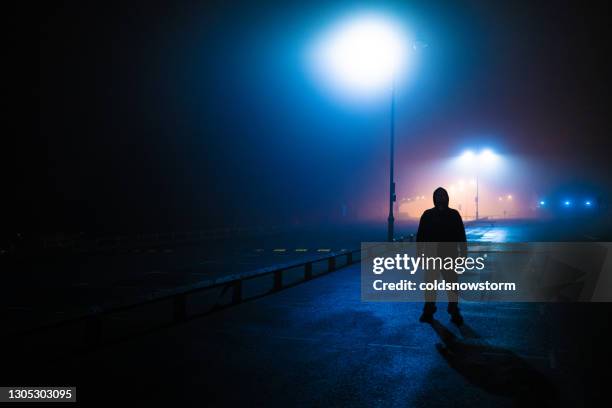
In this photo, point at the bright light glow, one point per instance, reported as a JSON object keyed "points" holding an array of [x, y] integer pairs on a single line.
{"points": [[567, 203], [363, 54], [467, 156], [542, 202], [587, 203], [509, 197], [485, 157]]}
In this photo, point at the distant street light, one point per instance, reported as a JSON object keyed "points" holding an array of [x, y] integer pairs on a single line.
{"points": [[505, 201], [365, 54], [485, 157]]}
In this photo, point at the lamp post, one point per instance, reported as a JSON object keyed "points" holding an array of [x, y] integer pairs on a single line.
{"points": [[360, 57], [392, 197], [476, 198], [471, 159]]}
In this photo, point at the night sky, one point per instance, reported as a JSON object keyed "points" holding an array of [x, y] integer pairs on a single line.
{"points": [[187, 115]]}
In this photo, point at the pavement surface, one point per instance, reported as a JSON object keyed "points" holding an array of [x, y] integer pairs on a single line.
{"points": [[317, 344], [37, 290], [41, 290]]}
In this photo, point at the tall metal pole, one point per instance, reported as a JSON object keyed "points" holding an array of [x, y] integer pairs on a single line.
{"points": [[476, 195], [392, 197]]}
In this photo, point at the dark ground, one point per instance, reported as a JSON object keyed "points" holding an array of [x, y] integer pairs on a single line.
{"points": [[318, 344], [55, 286]]}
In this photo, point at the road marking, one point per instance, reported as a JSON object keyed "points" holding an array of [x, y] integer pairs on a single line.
{"points": [[323, 250], [301, 250], [279, 250]]}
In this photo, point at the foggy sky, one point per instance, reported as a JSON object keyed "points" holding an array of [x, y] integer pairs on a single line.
{"points": [[191, 114]]}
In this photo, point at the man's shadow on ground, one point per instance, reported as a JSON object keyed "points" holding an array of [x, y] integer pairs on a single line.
{"points": [[494, 369]]}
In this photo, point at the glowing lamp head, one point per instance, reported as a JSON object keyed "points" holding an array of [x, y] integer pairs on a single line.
{"points": [[587, 203], [467, 156], [363, 54], [484, 157], [488, 156], [542, 203]]}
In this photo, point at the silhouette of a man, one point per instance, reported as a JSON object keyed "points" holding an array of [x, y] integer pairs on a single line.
{"points": [[444, 226]]}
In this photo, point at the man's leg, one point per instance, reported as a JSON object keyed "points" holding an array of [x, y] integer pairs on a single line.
{"points": [[430, 299], [453, 297]]}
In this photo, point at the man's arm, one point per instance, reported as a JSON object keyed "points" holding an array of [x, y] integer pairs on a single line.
{"points": [[420, 237], [461, 235], [421, 233]]}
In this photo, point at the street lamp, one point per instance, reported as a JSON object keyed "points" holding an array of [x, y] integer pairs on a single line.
{"points": [[485, 157], [361, 56]]}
